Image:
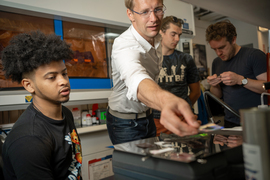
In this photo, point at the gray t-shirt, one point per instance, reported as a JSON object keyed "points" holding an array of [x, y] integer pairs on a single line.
{"points": [[249, 63], [177, 72]]}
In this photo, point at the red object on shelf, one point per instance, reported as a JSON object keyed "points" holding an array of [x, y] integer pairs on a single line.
{"points": [[94, 108], [75, 109]]}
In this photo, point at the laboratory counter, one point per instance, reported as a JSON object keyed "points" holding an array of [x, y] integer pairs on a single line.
{"points": [[202, 156]]}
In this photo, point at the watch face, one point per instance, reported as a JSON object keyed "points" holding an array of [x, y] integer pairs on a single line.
{"points": [[244, 81]]}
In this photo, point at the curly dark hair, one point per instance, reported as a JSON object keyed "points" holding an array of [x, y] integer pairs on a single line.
{"points": [[219, 30], [27, 51]]}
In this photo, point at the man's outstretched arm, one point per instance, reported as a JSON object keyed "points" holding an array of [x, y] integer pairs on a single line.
{"points": [[172, 108]]}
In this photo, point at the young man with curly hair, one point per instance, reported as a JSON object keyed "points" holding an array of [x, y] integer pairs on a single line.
{"points": [[238, 73], [43, 143]]}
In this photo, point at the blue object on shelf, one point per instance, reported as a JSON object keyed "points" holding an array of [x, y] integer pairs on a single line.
{"points": [[185, 26]]}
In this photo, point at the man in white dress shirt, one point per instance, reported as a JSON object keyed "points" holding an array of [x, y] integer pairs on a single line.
{"points": [[136, 62]]}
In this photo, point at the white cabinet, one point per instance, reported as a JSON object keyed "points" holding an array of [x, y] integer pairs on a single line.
{"points": [[95, 142]]}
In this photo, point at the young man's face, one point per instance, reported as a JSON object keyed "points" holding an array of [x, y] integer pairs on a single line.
{"points": [[147, 27], [51, 82], [223, 48], [171, 37]]}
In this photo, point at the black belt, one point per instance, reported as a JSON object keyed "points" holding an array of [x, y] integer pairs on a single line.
{"points": [[130, 115]]}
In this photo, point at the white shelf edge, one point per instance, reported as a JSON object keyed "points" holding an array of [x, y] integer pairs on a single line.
{"points": [[82, 130], [91, 129], [14, 100]]}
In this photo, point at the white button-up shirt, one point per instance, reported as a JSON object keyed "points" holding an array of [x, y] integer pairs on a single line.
{"points": [[133, 60]]}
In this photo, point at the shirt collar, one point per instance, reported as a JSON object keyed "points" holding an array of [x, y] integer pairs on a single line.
{"points": [[146, 45]]}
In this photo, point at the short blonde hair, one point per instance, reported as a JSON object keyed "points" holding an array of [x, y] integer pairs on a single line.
{"points": [[170, 20], [129, 4]]}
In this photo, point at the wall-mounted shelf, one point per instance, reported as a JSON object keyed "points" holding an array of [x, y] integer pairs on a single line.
{"points": [[91, 129], [82, 130], [16, 100]]}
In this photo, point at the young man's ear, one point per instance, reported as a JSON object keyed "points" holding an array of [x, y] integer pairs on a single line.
{"points": [[28, 85], [161, 33], [130, 15], [234, 40]]}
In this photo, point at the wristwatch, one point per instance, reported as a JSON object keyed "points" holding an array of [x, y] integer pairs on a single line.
{"points": [[244, 81]]}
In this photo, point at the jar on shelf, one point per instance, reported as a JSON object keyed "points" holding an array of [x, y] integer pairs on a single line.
{"points": [[88, 119]]}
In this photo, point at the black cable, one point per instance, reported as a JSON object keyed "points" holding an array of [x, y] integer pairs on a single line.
{"points": [[222, 103]]}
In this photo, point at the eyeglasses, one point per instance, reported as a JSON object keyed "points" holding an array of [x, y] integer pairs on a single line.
{"points": [[176, 20], [146, 14]]}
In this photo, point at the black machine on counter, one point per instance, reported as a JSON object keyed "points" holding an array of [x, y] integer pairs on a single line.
{"points": [[203, 156], [194, 157]]}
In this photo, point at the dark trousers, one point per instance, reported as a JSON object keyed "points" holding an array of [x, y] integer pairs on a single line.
{"points": [[125, 130], [228, 124]]}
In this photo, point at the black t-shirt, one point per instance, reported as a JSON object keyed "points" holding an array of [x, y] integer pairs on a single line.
{"points": [[178, 71], [249, 63], [39, 147]]}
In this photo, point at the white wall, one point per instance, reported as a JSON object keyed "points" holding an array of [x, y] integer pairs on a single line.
{"points": [[181, 10], [263, 40], [200, 27], [246, 33]]}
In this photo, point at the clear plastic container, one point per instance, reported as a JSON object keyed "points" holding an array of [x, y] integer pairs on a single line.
{"points": [[84, 120], [77, 117]]}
